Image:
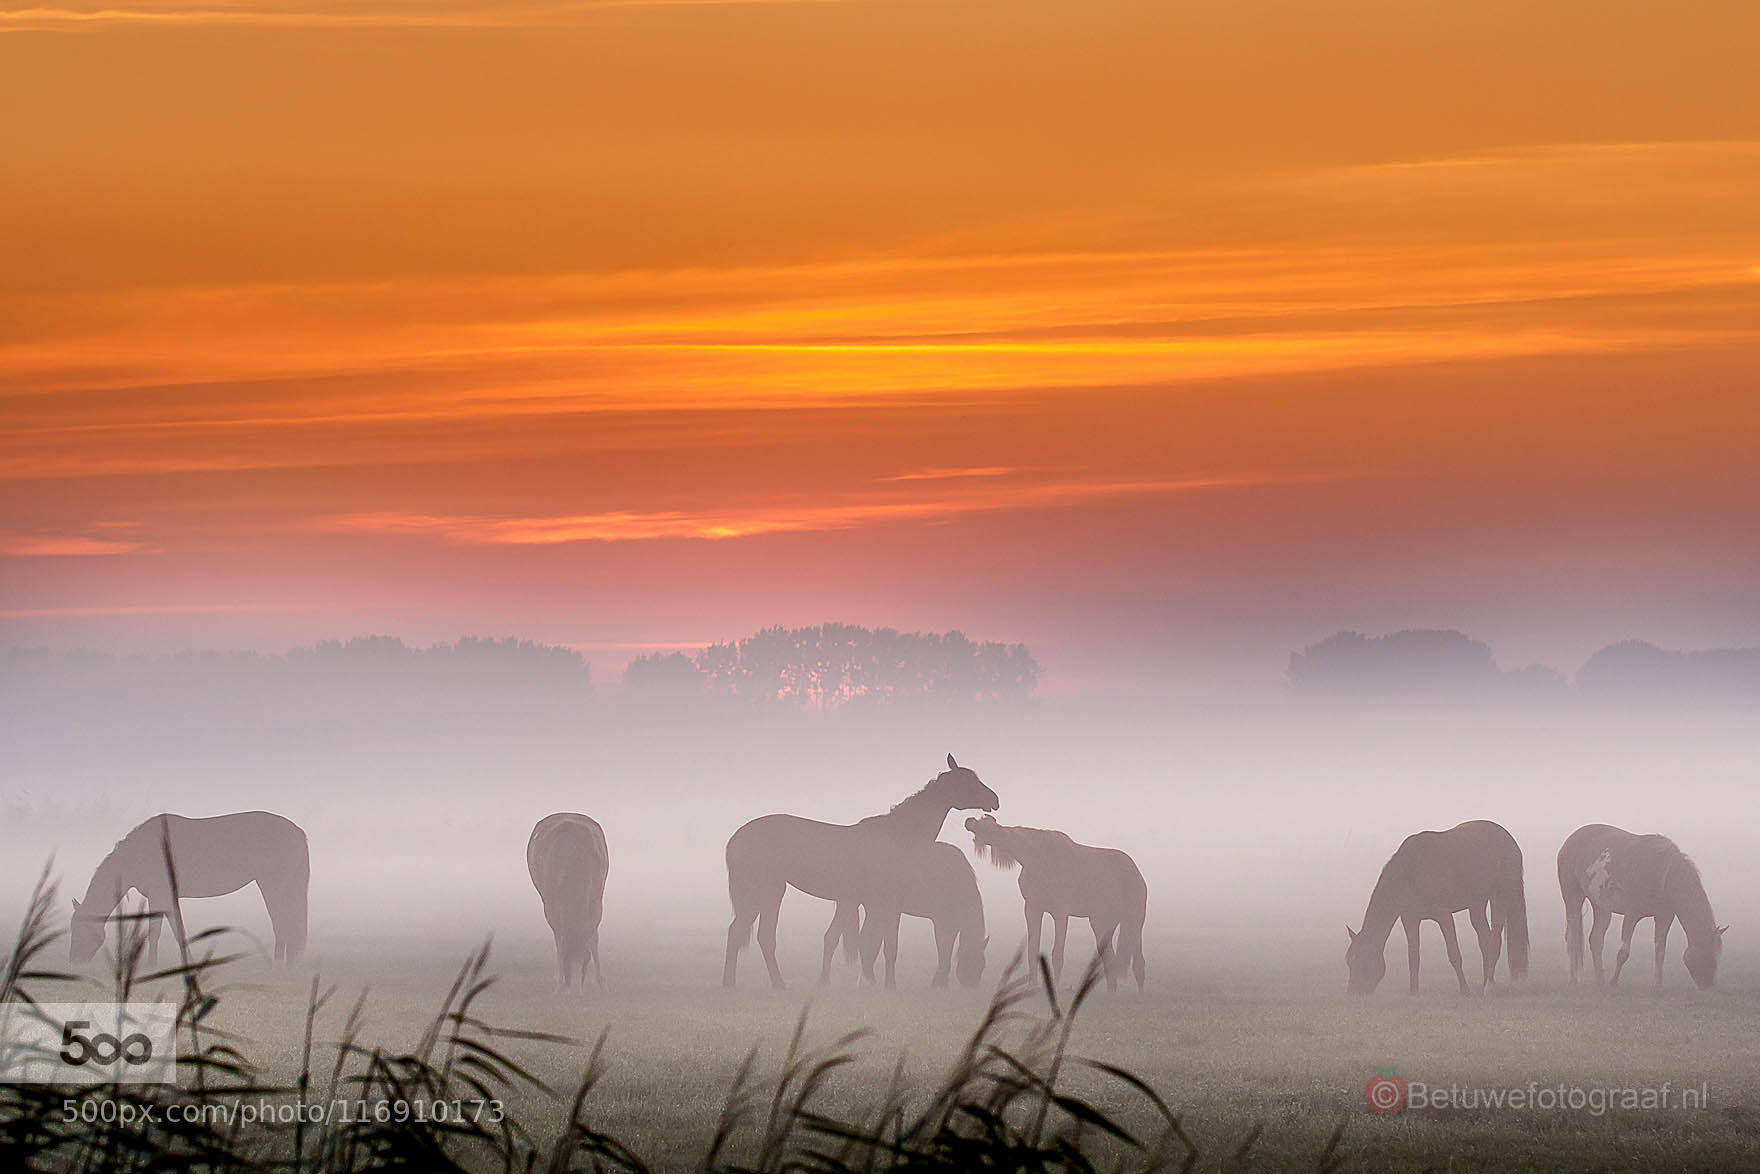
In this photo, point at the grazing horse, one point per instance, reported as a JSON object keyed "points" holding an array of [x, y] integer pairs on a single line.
{"points": [[568, 862], [170, 857], [938, 885], [1067, 879], [1475, 866], [1638, 877], [839, 862]]}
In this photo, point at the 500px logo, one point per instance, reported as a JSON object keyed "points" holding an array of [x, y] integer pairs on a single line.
{"points": [[1385, 1092], [88, 1043]]}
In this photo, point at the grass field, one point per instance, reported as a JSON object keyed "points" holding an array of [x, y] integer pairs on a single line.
{"points": [[1263, 1058]]}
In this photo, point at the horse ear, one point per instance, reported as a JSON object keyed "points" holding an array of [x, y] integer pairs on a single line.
{"points": [[76, 906], [951, 764], [971, 823], [1722, 929], [1352, 932]]}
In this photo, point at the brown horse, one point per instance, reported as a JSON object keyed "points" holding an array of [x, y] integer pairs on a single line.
{"points": [[938, 885], [171, 857], [1067, 879], [1475, 866], [568, 862], [1637, 877], [839, 862]]}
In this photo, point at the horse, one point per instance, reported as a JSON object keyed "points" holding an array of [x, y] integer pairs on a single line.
{"points": [[940, 886], [1067, 879], [568, 862], [1638, 877], [1476, 866], [170, 857], [838, 862]]}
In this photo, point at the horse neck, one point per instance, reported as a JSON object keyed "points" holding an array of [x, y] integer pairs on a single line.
{"points": [[1029, 846], [1383, 911], [108, 884], [921, 815], [1686, 893]]}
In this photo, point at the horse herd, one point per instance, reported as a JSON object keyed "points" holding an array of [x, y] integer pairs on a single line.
{"points": [[881, 868]]}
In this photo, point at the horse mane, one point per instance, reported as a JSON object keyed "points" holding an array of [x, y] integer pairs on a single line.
{"points": [[1695, 883], [1003, 858], [913, 797]]}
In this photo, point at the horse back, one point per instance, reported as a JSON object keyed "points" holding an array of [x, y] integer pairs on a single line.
{"points": [[1622, 870], [1446, 871], [944, 883], [214, 855], [567, 847]]}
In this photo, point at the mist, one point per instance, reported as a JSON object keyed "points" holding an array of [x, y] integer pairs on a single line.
{"points": [[1259, 829]]}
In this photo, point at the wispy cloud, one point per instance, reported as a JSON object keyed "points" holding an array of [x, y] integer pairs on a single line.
{"points": [[150, 609], [952, 474], [556, 14], [64, 546], [775, 518]]}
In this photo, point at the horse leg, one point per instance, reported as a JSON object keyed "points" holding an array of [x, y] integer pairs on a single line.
{"points": [[833, 934], [1412, 925], [889, 943], [1573, 935], [869, 948], [166, 905], [1627, 927], [944, 936], [598, 975], [1490, 943], [1663, 923], [286, 905], [1103, 956], [746, 906], [1597, 936], [767, 919], [1446, 921], [561, 959], [1035, 922], [1059, 931]]}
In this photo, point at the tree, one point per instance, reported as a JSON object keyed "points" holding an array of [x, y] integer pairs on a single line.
{"points": [[835, 666]]}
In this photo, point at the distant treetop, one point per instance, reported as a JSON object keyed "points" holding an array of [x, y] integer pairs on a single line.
{"points": [[835, 666]]}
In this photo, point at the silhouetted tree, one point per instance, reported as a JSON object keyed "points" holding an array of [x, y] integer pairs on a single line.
{"points": [[1420, 665], [663, 674], [1634, 670], [834, 666]]}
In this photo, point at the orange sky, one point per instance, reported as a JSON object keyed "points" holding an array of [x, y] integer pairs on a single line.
{"points": [[1157, 334]]}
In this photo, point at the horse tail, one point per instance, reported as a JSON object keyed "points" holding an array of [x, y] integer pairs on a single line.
{"points": [[744, 925], [1515, 926], [287, 898], [296, 933]]}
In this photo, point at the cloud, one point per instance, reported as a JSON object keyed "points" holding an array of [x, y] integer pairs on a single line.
{"points": [[64, 546], [149, 609], [775, 518], [952, 474], [557, 14]]}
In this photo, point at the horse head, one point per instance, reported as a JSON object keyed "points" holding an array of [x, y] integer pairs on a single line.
{"points": [[1701, 959], [1368, 966], [987, 840], [963, 789], [969, 968], [85, 934]]}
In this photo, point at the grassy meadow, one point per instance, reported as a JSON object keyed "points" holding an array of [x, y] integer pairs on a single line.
{"points": [[1261, 1054]]}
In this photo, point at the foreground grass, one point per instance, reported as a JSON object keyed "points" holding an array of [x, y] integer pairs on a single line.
{"points": [[1261, 1069]]}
